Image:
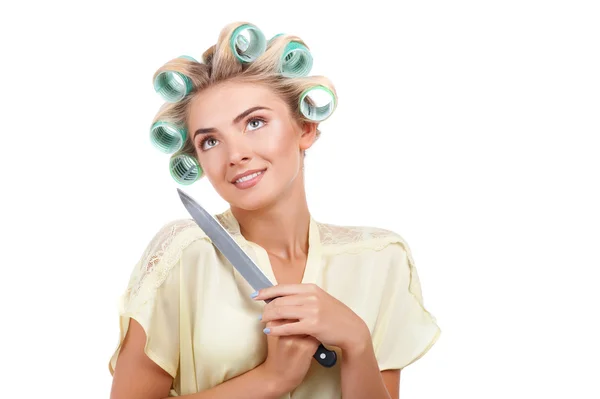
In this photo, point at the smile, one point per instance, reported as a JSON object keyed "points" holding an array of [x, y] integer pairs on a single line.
{"points": [[250, 180], [249, 177]]}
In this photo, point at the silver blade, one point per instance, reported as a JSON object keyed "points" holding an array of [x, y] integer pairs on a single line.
{"points": [[226, 244]]}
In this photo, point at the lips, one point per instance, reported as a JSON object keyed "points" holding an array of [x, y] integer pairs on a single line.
{"points": [[247, 173]]}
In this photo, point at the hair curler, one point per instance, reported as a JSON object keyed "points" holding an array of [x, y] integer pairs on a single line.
{"points": [[317, 103], [167, 137], [247, 43], [296, 60], [184, 169], [173, 86]]}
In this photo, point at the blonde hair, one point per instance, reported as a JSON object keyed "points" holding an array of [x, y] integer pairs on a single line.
{"points": [[220, 64]]}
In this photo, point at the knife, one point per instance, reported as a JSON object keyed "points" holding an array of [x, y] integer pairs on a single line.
{"points": [[240, 260]]}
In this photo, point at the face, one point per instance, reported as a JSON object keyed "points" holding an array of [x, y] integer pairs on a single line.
{"points": [[248, 143]]}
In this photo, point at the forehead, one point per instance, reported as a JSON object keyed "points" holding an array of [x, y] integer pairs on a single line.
{"points": [[221, 103]]}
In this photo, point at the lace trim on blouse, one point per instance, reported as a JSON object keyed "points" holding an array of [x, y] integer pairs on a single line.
{"points": [[161, 254]]}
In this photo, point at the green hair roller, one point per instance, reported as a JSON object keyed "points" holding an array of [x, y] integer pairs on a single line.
{"points": [[296, 61], [247, 43], [184, 169], [173, 86], [317, 103], [167, 137]]}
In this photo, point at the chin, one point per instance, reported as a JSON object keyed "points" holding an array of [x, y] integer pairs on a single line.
{"points": [[250, 200]]}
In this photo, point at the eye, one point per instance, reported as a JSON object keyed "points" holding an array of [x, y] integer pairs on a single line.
{"points": [[255, 123], [208, 143]]}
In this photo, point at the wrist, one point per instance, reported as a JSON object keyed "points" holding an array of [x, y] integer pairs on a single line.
{"points": [[275, 385], [359, 341]]}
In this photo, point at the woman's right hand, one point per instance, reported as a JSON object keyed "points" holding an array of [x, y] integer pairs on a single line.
{"points": [[288, 358]]}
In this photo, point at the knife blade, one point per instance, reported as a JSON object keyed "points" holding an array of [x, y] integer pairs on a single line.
{"points": [[240, 260]]}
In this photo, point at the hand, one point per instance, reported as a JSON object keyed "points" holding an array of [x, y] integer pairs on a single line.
{"points": [[313, 312], [288, 358]]}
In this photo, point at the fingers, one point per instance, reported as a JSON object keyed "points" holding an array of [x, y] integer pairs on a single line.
{"points": [[285, 312], [279, 322], [296, 328], [292, 300], [284, 290], [281, 306]]}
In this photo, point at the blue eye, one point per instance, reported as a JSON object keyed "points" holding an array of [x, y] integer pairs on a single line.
{"points": [[255, 123], [206, 141]]}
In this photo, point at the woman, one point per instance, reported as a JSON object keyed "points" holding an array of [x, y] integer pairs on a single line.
{"points": [[190, 325]]}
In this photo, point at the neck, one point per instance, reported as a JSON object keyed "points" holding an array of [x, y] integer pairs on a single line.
{"points": [[282, 227]]}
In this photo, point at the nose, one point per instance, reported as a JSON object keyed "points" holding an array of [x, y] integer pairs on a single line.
{"points": [[239, 151]]}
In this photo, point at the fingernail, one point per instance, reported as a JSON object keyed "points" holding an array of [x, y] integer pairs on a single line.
{"points": [[267, 330], [260, 317], [254, 294]]}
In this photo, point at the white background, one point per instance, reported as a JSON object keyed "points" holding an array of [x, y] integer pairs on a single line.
{"points": [[469, 127]]}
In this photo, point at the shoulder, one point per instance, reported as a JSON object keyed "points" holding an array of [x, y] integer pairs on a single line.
{"points": [[174, 234], [358, 239], [162, 254], [380, 255]]}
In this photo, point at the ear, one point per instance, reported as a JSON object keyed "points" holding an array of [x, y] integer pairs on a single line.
{"points": [[309, 135]]}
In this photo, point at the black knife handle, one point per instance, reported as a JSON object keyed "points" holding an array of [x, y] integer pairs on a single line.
{"points": [[325, 357]]}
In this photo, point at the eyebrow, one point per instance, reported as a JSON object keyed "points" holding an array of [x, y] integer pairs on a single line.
{"points": [[236, 120]]}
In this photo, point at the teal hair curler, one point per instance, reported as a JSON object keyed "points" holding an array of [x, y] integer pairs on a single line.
{"points": [[296, 61], [317, 103], [167, 137], [185, 169], [248, 43], [173, 86]]}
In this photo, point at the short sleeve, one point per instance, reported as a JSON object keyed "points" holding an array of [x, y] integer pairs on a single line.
{"points": [[152, 298], [405, 330]]}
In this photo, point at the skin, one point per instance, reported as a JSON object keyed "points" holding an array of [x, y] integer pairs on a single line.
{"points": [[231, 141]]}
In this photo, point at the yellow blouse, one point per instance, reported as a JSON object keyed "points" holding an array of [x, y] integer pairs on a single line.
{"points": [[202, 326]]}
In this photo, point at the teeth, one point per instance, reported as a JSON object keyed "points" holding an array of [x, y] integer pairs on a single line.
{"points": [[249, 177]]}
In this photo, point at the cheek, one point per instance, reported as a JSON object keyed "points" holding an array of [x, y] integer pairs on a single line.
{"points": [[280, 141], [211, 163]]}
